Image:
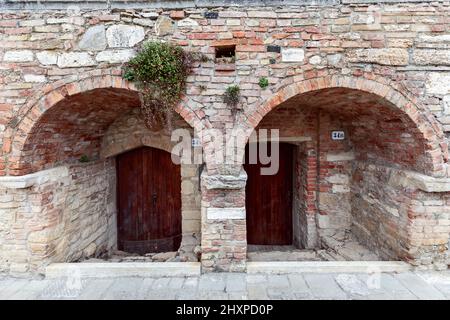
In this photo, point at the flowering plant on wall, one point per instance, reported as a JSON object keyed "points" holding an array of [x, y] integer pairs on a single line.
{"points": [[159, 70]]}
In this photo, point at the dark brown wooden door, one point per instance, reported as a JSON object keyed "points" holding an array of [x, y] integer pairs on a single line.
{"points": [[269, 201], [149, 201]]}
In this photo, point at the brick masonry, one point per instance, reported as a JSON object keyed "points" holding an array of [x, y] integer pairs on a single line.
{"points": [[379, 72]]}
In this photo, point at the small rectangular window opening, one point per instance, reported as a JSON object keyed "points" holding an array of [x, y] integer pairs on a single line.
{"points": [[226, 54]]}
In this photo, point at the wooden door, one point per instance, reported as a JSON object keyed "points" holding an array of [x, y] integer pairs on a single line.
{"points": [[269, 201], [149, 201]]}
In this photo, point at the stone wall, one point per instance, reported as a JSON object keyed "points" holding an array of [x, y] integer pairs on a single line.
{"points": [[380, 71], [62, 214], [408, 223]]}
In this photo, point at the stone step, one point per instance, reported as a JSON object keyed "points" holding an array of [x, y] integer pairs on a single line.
{"points": [[122, 269], [284, 267], [294, 255]]}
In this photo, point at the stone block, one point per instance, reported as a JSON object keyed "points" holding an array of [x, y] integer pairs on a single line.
{"points": [[164, 26], [225, 213], [18, 56], [224, 181], [431, 57], [34, 78], [47, 57], [292, 55], [115, 56], [438, 83], [187, 23], [124, 36], [94, 39], [75, 60], [390, 57]]}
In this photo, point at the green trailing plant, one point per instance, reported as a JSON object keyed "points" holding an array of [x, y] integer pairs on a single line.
{"points": [[263, 82], [160, 70], [84, 158], [232, 95]]}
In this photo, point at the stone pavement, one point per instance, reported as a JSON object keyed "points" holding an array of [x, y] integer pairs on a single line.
{"points": [[223, 286]]}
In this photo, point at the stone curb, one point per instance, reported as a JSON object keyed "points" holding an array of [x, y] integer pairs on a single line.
{"points": [[122, 269], [285, 267]]}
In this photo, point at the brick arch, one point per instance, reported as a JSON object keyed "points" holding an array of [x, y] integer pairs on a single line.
{"points": [[423, 120], [35, 108]]}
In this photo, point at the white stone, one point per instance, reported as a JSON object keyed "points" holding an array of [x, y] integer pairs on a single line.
{"points": [[386, 56], [115, 56], [224, 181], [323, 221], [435, 39], [392, 211], [124, 36], [284, 267], [34, 78], [143, 22], [438, 83], [94, 39], [339, 188], [343, 156], [431, 57], [123, 269], [338, 178], [446, 101], [75, 59], [25, 181], [410, 179], [153, 15], [334, 59], [47, 57], [18, 56], [187, 23], [225, 213], [315, 60], [292, 55]]}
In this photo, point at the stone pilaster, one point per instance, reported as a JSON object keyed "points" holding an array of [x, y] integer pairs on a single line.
{"points": [[224, 237]]}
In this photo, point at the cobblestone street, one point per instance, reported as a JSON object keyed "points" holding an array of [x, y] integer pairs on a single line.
{"points": [[386, 286]]}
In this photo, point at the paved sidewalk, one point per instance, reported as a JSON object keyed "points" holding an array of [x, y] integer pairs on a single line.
{"points": [[419, 285]]}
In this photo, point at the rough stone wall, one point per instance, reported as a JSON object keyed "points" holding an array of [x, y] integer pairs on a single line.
{"points": [[305, 199], [382, 43], [69, 213], [399, 52], [408, 223]]}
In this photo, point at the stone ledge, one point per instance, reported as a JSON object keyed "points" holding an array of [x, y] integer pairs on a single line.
{"points": [[285, 267], [26, 181], [408, 179], [177, 4], [122, 269], [224, 181]]}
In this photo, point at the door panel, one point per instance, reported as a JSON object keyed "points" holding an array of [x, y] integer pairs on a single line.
{"points": [[149, 201], [269, 201]]}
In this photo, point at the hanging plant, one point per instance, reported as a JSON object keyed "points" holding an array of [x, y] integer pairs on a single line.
{"points": [[160, 70], [232, 95]]}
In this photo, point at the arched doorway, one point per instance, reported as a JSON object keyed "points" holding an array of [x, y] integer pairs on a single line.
{"points": [[71, 138], [351, 145], [148, 201]]}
